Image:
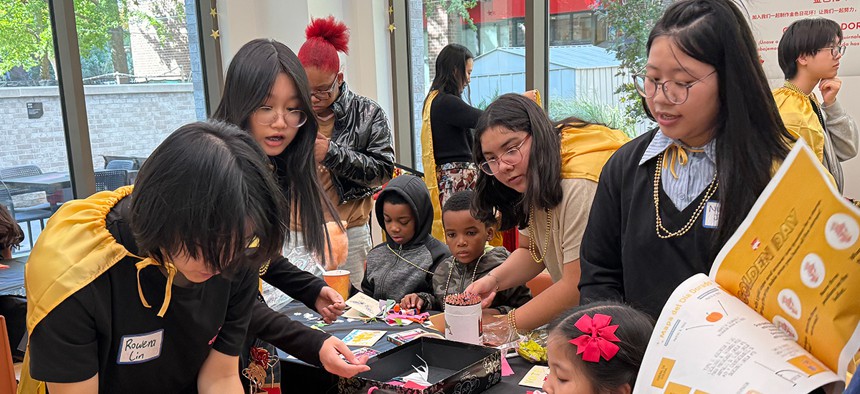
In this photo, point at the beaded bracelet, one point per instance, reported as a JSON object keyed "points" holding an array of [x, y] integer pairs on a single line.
{"points": [[512, 322]]}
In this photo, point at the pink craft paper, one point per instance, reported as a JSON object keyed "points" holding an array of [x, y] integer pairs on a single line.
{"points": [[506, 368], [413, 385]]}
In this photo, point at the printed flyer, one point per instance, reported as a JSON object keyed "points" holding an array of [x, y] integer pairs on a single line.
{"points": [[779, 310]]}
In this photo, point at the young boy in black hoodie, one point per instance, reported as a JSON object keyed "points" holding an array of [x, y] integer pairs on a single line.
{"points": [[405, 262]]}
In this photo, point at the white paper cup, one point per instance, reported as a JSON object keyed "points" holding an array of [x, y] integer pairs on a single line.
{"points": [[463, 323]]}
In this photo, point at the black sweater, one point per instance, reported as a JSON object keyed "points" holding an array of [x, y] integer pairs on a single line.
{"points": [[621, 256], [452, 121], [277, 328]]}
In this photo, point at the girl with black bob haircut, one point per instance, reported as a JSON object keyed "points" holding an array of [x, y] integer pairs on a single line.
{"points": [[227, 172], [267, 94], [165, 265], [572, 373], [542, 179], [669, 199]]}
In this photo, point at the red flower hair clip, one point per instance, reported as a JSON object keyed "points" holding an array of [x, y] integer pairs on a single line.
{"points": [[598, 338]]}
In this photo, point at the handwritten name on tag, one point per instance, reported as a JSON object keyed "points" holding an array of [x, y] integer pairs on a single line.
{"points": [[711, 217], [140, 348]]}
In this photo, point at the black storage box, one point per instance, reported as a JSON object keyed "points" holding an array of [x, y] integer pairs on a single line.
{"points": [[454, 368]]}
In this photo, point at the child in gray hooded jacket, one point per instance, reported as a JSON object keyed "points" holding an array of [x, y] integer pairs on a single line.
{"points": [[405, 262]]}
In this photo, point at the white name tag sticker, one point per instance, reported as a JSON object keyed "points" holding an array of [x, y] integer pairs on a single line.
{"points": [[140, 348], [711, 216]]}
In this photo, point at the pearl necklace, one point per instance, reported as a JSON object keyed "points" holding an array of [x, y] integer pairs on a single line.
{"points": [[662, 232]]}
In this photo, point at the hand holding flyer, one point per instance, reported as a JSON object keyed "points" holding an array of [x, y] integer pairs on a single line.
{"points": [[779, 311]]}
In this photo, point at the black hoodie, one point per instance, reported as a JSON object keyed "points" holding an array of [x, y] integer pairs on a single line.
{"points": [[395, 270]]}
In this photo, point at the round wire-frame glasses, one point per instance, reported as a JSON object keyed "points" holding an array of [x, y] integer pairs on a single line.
{"points": [[676, 92], [511, 157], [267, 116]]}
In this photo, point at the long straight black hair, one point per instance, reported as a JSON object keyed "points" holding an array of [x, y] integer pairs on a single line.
{"points": [[750, 136], [515, 112], [451, 70], [249, 80]]}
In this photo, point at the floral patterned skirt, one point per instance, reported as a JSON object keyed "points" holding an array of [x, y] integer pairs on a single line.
{"points": [[455, 177]]}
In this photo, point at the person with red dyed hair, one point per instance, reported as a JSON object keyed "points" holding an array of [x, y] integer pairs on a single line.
{"points": [[353, 148]]}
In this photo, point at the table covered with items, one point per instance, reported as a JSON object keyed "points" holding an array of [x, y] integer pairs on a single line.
{"points": [[408, 355]]}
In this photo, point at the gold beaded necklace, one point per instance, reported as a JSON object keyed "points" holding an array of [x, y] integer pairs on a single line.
{"points": [[404, 259], [532, 242], [662, 232], [454, 264]]}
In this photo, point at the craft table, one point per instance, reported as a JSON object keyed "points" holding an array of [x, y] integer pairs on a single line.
{"points": [[298, 377]]}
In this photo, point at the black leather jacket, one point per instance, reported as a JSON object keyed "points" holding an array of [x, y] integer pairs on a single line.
{"points": [[360, 155]]}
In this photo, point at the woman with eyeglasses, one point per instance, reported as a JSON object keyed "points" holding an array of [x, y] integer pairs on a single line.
{"points": [[810, 51], [266, 94], [667, 201], [353, 152], [541, 178]]}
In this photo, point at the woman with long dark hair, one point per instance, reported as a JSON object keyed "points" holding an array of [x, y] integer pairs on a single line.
{"points": [[446, 131], [266, 94], [541, 178], [668, 200], [446, 136]]}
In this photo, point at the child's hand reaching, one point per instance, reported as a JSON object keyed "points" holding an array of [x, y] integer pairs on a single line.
{"points": [[410, 301]]}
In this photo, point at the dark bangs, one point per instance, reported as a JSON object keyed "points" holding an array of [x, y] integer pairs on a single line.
{"points": [[207, 191]]}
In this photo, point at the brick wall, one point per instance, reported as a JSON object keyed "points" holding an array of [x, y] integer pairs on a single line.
{"points": [[126, 120]]}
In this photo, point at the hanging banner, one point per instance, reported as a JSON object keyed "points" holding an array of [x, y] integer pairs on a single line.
{"points": [[769, 18]]}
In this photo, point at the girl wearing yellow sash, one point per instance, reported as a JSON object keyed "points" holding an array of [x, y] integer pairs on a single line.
{"points": [[542, 179], [125, 288], [446, 131]]}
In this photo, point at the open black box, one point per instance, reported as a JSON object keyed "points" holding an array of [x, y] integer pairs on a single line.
{"points": [[454, 367]]}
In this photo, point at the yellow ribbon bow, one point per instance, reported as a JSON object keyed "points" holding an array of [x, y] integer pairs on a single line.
{"points": [[171, 273], [678, 153]]}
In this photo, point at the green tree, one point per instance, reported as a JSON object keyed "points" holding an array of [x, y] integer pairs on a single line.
{"points": [[27, 39], [170, 38], [630, 23]]}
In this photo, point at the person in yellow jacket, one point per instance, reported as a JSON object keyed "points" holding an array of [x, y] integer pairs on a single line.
{"points": [[541, 178], [810, 52], [148, 289]]}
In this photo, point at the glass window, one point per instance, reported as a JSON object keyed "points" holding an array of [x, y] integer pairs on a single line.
{"points": [[34, 170], [494, 32], [560, 29], [583, 28], [592, 79], [142, 77]]}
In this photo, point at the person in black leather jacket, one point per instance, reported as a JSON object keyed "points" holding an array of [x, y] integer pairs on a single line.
{"points": [[353, 148], [266, 93]]}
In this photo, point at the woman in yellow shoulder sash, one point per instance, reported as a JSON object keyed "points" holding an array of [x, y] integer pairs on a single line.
{"points": [[541, 179]]}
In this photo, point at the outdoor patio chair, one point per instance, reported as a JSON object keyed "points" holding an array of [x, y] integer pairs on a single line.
{"points": [[37, 213], [111, 179], [120, 165]]}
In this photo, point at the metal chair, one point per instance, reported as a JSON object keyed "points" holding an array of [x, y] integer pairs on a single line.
{"points": [[120, 165], [39, 213], [19, 171], [111, 179]]}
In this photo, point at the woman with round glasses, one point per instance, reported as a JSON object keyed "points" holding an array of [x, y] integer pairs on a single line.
{"points": [[266, 93], [668, 200], [541, 178], [810, 51]]}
